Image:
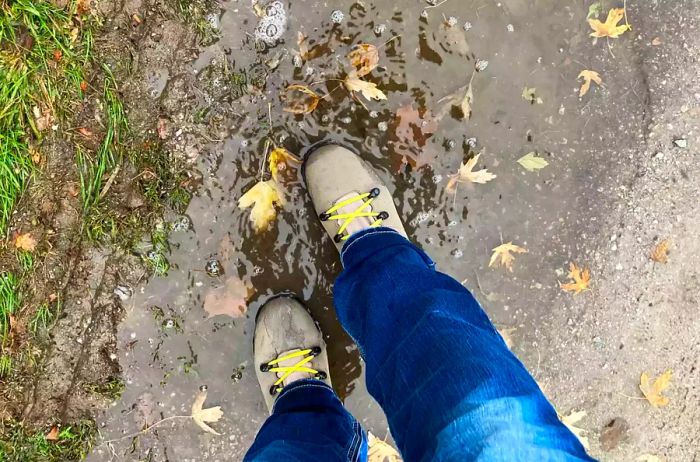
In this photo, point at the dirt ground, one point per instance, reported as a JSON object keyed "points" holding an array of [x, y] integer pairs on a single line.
{"points": [[620, 180]]}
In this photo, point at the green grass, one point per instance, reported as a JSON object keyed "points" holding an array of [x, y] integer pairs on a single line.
{"points": [[18, 444], [41, 65], [9, 302], [42, 319]]}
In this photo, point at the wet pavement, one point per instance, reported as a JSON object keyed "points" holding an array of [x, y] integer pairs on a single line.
{"points": [[168, 344]]}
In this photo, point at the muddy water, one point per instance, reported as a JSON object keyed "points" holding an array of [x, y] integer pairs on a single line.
{"points": [[169, 347]]}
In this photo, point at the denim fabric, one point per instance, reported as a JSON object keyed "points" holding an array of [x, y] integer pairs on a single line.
{"points": [[450, 387]]}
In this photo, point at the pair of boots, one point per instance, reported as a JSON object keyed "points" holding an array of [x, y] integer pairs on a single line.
{"points": [[348, 197]]}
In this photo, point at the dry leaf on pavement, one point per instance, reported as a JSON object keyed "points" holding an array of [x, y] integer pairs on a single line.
{"points": [[505, 333], [652, 391], [230, 300], [44, 118], [588, 76], [660, 252], [609, 28], [300, 99], [202, 416], [572, 419], [368, 89], [581, 278], [279, 158], [531, 162], [466, 174], [52, 435], [263, 197], [381, 451], [502, 255], [364, 58], [25, 242], [530, 95]]}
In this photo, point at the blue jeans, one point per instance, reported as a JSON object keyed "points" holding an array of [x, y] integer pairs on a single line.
{"points": [[449, 386]]}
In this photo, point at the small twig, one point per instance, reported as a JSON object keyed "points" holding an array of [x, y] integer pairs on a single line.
{"points": [[389, 41], [607, 39], [262, 166], [147, 429], [269, 116], [111, 179], [624, 10], [630, 397]]}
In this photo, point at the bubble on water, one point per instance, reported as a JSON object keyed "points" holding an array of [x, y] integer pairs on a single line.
{"points": [[213, 20], [374, 114], [457, 253], [424, 14], [471, 142], [382, 126], [309, 71], [301, 125], [214, 268], [274, 9], [345, 120], [420, 218], [467, 26], [169, 324], [451, 21], [258, 270], [325, 118], [452, 223], [437, 178], [337, 17], [379, 29], [181, 224], [510, 28], [272, 26], [297, 61], [481, 65], [245, 143], [450, 144]]}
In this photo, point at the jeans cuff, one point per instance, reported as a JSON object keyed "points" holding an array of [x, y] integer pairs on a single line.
{"points": [[305, 384], [367, 242]]}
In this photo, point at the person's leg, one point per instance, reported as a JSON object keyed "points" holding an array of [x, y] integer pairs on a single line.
{"points": [[307, 421], [450, 387]]}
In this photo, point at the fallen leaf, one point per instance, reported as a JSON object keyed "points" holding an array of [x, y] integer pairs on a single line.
{"points": [[466, 174], [85, 132], [57, 55], [300, 99], [202, 416], [25, 242], [83, 6], [531, 162], [588, 76], [368, 89], [364, 58], [656, 41], [609, 28], [530, 95], [413, 128], [303, 46], [466, 104], [44, 118], [572, 419], [652, 391], [231, 299], [594, 10], [649, 458], [505, 334], [279, 158], [52, 435], [660, 252], [263, 197], [381, 451], [83, 85], [502, 255], [36, 155], [581, 278]]}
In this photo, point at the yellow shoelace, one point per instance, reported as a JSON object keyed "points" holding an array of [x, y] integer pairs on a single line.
{"points": [[349, 217], [307, 356]]}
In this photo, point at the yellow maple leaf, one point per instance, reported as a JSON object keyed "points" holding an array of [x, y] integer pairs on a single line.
{"points": [[609, 28], [25, 242], [381, 451], [364, 57], [368, 89], [588, 76], [279, 158], [652, 391], [581, 278], [263, 197], [660, 252], [572, 419], [300, 99], [202, 416], [466, 173], [502, 255]]}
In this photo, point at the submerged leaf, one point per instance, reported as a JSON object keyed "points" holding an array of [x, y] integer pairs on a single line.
{"points": [[531, 162], [364, 58], [279, 158], [609, 28], [588, 76], [300, 99], [466, 174], [652, 391], [502, 255], [230, 300], [202, 416], [581, 278], [263, 197], [368, 89]]}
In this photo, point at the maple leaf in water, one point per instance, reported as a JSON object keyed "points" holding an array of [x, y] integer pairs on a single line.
{"points": [[503, 255], [262, 197], [413, 128]]}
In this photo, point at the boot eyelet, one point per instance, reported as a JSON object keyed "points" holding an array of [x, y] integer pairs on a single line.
{"points": [[321, 375], [273, 390], [324, 216], [374, 192], [264, 367], [337, 238], [383, 215], [316, 350]]}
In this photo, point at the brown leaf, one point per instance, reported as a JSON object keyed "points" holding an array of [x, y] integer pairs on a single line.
{"points": [[86, 132], [230, 300], [652, 391], [660, 253], [57, 55], [465, 174], [413, 129], [36, 155], [279, 158], [25, 242], [364, 58], [44, 118], [52, 435], [83, 85], [83, 6], [581, 278], [368, 89], [300, 99]]}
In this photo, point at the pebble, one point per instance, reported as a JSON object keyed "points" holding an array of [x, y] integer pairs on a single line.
{"points": [[213, 268], [481, 65], [510, 28], [337, 17], [451, 21], [382, 126], [123, 292], [681, 143], [379, 29]]}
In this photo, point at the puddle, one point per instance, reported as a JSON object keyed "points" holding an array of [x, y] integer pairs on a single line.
{"points": [[168, 344]]}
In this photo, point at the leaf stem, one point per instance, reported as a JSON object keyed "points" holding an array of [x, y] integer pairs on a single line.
{"points": [[147, 429]]}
